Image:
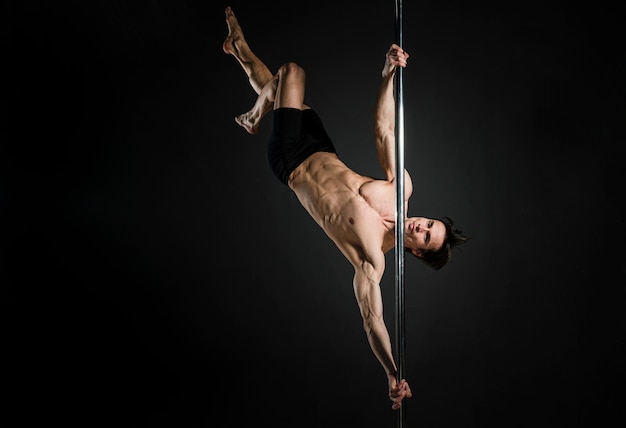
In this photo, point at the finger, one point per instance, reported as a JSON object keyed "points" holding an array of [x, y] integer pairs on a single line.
{"points": [[409, 393], [397, 390], [397, 403], [397, 395]]}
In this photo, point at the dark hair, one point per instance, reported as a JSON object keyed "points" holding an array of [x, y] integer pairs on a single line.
{"points": [[437, 259]]}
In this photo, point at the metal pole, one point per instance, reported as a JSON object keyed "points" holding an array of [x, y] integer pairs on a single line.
{"points": [[399, 290]]}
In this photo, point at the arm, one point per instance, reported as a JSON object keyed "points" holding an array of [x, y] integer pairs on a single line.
{"points": [[385, 111], [369, 298]]}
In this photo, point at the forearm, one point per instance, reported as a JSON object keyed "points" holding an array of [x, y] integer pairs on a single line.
{"points": [[385, 115], [380, 343], [384, 126], [369, 298], [385, 112]]}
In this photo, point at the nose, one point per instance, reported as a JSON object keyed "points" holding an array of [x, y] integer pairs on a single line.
{"points": [[420, 228]]}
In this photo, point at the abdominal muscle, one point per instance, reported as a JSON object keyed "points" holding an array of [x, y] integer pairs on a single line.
{"points": [[333, 195]]}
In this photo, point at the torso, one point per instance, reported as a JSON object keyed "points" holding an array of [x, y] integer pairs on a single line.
{"points": [[357, 212]]}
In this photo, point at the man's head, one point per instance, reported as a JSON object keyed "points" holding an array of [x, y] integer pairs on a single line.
{"points": [[432, 239]]}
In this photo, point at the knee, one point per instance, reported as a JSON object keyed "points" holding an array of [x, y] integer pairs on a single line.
{"points": [[291, 68]]}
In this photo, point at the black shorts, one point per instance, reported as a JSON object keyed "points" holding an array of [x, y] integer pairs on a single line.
{"points": [[296, 135]]}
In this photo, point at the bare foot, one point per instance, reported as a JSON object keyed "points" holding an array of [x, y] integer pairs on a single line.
{"points": [[248, 123], [234, 33]]}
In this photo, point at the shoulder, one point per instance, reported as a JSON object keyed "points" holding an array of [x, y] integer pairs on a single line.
{"points": [[380, 195], [377, 186], [380, 188], [368, 261]]}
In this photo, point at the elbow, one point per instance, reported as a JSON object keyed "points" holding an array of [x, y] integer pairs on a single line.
{"points": [[371, 318], [372, 325], [385, 131]]}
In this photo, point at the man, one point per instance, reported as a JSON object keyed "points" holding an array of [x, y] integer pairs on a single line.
{"points": [[358, 213]]}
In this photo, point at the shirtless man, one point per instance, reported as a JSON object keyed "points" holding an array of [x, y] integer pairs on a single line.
{"points": [[357, 212]]}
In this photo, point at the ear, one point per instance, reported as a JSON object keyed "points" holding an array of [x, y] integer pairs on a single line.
{"points": [[418, 254]]}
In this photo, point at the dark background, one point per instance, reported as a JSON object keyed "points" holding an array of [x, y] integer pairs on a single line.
{"points": [[163, 277]]}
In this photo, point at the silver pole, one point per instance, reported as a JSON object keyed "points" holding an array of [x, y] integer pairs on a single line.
{"points": [[399, 290]]}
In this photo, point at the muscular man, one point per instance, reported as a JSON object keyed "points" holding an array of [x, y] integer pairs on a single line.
{"points": [[357, 212]]}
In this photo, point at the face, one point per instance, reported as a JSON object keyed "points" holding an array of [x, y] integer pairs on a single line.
{"points": [[424, 234]]}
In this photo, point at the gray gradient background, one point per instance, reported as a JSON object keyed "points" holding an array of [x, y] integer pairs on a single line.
{"points": [[171, 281]]}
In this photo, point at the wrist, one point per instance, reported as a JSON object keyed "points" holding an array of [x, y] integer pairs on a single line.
{"points": [[392, 375]]}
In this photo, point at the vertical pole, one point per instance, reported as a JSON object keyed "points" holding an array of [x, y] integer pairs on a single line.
{"points": [[399, 290]]}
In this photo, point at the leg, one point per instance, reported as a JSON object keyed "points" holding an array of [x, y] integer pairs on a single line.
{"points": [[236, 45], [250, 121], [285, 89], [290, 90]]}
